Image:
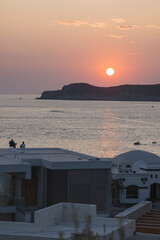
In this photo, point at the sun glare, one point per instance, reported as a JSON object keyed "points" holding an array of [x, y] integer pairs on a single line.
{"points": [[110, 71]]}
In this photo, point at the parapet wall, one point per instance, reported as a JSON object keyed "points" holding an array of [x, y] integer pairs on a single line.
{"points": [[16, 226], [62, 212], [52, 215], [136, 211], [49, 221]]}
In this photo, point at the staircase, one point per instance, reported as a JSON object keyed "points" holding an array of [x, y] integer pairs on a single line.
{"points": [[149, 223]]}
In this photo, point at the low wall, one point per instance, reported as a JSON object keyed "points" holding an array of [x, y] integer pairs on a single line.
{"points": [[80, 210], [136, 211], [126, 228], [8, 209], [62, 212], [114, 226], [58, 216], [48, 216], [16, 226]]}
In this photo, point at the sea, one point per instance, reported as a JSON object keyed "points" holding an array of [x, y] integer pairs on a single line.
{"points": [[97, 128]]}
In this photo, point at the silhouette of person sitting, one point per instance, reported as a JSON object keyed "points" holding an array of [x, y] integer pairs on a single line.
{"points": [[22, 145], [12, 143]]}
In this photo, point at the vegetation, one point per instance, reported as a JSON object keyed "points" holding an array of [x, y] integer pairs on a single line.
{"points": [[116, 187]]}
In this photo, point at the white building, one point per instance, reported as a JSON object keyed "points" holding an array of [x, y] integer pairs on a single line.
{"points": [[138, 176]]}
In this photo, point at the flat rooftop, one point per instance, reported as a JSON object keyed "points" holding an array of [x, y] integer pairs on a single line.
{"points": [[52, 158]]}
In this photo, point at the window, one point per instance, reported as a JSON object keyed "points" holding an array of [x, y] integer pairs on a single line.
{"points": [[151, 176], [128, 166], [132, 191], [156, 176]]}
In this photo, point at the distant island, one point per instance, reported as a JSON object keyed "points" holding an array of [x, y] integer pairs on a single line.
{"points": [[85, 91]]}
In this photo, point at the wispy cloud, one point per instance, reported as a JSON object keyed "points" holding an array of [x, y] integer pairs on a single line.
{"points": [[116, 36], [153, 26], [135, 53], [127, 27], [98, 24], [78, 23], [118, 20], [72, 23]]}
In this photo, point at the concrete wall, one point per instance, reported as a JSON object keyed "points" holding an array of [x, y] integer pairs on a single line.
{"points": [[39, 174], [90, 186], [127, 227], [81, 210], [136, 211], [20, 217], [85, 186], [16, 226], [48, 216], [62, 212]]}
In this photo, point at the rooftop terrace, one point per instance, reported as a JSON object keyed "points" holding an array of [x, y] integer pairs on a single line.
{"points": [[52, 158]]}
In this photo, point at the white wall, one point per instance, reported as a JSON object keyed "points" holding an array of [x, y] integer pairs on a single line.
{"points": [[143, 194]]}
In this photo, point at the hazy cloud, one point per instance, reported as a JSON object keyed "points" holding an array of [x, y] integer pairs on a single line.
{"points": [[98, 24], [153, 26], [135, 53], [127, 27], [72, 23], [116, 36], [118, 20], [78, 23]]}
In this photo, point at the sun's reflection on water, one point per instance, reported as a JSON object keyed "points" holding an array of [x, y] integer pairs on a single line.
{"points": [[109, 137]]}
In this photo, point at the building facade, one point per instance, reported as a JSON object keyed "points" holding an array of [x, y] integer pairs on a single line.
{"points": [[32, 179], [136, 175]]}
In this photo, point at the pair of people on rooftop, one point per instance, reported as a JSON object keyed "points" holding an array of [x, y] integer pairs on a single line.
{"points": [[13, 144]]}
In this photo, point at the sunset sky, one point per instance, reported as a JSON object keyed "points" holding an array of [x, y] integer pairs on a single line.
{"points": [[45, 44]]}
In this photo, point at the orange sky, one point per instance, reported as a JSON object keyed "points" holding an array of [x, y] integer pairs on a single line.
{"points": [[46, 44]]}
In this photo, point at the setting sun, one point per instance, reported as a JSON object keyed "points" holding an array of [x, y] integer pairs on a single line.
{"points": [[110, 71]]}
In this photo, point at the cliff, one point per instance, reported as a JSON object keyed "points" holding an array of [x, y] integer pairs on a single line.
{"points": [[84, 91]]}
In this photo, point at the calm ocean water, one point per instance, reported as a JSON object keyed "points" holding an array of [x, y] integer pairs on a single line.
{"points": [[97, 128]]}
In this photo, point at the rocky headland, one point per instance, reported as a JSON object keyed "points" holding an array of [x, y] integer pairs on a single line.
{"points": [[85, 91]]}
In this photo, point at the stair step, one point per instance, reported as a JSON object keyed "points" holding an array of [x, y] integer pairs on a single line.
{"points": [[154, 210], [152, 230], [150, 219], [147, 221], [153, 215], [147, 225], [150, 216]]}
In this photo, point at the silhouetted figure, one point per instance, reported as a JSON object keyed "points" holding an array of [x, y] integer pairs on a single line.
{"points": [[12, 143], [22, 145]]}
